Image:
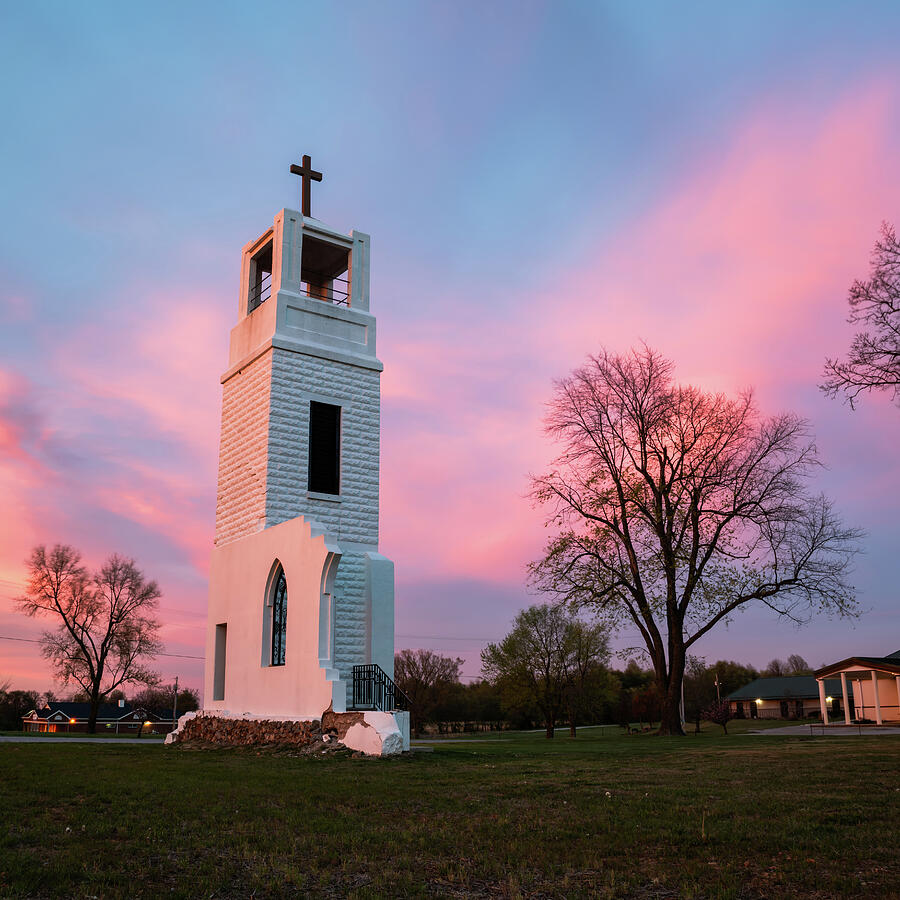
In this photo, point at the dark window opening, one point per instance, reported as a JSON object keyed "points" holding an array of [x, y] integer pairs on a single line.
{"points": [[260, 288], [324, 271], [279, 619], [324, 448], [219, 664]]}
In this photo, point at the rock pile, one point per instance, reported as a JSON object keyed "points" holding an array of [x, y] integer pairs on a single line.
{"points": [[247, 732]]}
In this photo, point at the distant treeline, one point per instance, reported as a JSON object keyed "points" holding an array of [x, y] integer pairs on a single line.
{"points": [[602, 694], [158, 699]]}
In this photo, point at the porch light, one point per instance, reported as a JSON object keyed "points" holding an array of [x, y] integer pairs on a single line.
{"points": [[71, 721], [758, 701], [829, 699]]}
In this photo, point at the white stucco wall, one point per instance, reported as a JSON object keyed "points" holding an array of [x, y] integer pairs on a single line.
{"points": [[239, 574]]}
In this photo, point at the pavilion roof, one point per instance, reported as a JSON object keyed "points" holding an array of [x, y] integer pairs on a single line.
{"points": [[889, 663], [788, 687]]}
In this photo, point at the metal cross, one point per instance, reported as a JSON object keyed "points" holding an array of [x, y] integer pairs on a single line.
{"points": [[307, 173]]}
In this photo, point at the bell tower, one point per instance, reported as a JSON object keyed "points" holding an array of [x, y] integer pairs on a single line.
{"points": [[299, 593]]}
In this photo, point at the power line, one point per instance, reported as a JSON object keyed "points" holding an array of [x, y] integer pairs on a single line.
{"points": [[441, 637], [4, 637]]}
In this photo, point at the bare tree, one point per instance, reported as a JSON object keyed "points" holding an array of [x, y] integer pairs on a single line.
{"points": [[161, 698], [794, 665], [672, 508], [873, 362], [107, 626], [425, 677], [775, 669], [797, 665]]}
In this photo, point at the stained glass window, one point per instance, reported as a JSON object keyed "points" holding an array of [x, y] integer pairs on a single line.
{"points": [[279, 619]]}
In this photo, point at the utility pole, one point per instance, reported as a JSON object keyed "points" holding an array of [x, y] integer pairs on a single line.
{"points": [[717, 686], [175, 704]]}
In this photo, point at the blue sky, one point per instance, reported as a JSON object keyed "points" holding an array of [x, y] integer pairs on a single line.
{"points": [[538, 179]]}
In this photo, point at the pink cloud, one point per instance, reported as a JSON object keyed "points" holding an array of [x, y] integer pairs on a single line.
{"points": [[166, 367], [739, 273]]}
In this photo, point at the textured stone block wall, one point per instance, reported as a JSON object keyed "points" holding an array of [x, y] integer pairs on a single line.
{"points": [[243, 452], [354, 520], [295, 379]]}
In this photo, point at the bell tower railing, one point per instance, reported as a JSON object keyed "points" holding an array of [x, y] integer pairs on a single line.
{"points": [[374, 689]]}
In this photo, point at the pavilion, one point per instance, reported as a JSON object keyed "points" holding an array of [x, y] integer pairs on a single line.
{"points": [[873, 682]]}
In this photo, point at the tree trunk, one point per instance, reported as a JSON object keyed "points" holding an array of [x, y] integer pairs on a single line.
{"points": [[669, 686], [572, 731], [92, 718], [670, 723], [551, 731], [670, 698]]}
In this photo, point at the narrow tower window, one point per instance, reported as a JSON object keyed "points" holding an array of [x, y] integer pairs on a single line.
{"points": [[279, 619], [324, 448], [260, 286], [219, 663]]}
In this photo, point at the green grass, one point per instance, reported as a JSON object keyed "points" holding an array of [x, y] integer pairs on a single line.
{"points": [[602, 816], [82, 734]]}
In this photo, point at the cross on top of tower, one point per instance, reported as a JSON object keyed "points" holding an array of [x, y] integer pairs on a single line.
{"points": [[307, 173]]}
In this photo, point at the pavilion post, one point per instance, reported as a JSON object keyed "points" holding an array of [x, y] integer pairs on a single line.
{"points": [[897, 678], [877, 701], [823, 706], [846, 699]]}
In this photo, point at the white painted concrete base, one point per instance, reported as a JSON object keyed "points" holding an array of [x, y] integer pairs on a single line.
{"points": [[377, 735], [171, 736], [403, 724]]}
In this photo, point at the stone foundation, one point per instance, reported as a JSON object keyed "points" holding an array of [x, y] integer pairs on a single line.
{"points": [[372, 733], [227, 731]]}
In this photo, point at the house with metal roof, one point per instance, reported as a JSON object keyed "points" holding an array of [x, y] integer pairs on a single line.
{"points": [[788, 697], [120, 718], [870, 683]]}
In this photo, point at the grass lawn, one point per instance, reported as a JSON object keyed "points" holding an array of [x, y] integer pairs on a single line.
{"points": [[606, 815], [104, 733]]}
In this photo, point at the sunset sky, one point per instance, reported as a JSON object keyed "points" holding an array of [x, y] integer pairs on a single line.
{"points": [[540, 180]]}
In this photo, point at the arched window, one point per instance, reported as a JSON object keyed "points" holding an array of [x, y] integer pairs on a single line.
{"points": [[279, 618]]}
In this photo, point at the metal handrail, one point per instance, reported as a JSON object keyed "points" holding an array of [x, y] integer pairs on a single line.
{"points": [[374, 689], [330, 294], [260, 293]]}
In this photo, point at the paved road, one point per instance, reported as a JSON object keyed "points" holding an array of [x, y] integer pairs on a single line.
{"points": [[28, 739], [831, 730]]}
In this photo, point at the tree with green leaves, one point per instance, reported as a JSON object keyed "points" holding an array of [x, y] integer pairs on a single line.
{"points": [[106, 621], [546, 661], [585, 653], [14, 705], [671, 508]]}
